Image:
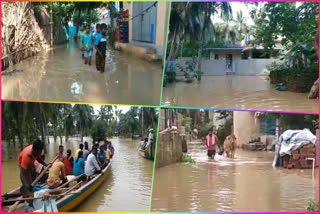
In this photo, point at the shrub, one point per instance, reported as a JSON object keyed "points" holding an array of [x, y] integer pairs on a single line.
{"points": [[313, 206], [186, 159]]}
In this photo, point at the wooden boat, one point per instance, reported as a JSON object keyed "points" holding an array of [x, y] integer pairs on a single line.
{"points": [[148, 153], [69, 202]]}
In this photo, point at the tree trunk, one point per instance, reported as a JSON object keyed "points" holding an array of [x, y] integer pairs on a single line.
{"points": [[111, 14], [171, 50], [78, 24], [142, 121], [82, 133], [14, 141], [40, 124], [19, 130]]}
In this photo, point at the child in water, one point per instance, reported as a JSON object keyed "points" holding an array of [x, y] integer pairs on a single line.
{"points": [[80, 34], [100, 43], [87, 45]]}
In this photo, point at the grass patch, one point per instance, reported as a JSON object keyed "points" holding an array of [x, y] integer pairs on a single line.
{"points": [[313, 206], [186, 159]]}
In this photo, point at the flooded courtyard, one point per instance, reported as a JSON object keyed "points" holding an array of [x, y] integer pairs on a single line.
{"points": [[247, 183], [236, 92], [61, 75], [129, 180]]}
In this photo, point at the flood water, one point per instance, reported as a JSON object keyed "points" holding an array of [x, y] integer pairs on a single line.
{"points": [[129, 181], [236, 92], [246, 184], [61, 75]]}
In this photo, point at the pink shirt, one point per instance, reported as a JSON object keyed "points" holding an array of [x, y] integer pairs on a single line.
{"points": [[211, 142]]}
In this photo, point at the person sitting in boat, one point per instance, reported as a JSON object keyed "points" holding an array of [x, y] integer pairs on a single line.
{"points": [[43, 200], [78, 150], [86, 151], [26, 161], [57, 174], [101, 157], [68, 163], [78, 165], [60, 152], [111, 148], [39, 169], [91, 166]]}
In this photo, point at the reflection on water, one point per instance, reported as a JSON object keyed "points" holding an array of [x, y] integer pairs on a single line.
{"points": [[236, 92], [129, 181], [61, 75], [246, 184]]}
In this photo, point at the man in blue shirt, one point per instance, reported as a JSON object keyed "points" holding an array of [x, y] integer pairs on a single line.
{"points": [[100, 42]]}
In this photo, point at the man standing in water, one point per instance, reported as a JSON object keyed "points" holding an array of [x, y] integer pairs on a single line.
{"points": [[26, 161], [211, 142]]}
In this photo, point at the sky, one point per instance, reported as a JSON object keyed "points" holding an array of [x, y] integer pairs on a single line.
{"points": [[237, 7], [123, 108], [240, 6]]}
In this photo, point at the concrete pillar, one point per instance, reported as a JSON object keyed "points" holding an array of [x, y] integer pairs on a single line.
{"points": [[246, 126]]}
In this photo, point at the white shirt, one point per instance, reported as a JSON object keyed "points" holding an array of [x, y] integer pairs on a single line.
{"points": [[41, 206], [150, 137], [91, 165]]}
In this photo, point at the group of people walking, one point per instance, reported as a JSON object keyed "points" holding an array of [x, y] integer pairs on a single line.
{"points": [[88, 41]]}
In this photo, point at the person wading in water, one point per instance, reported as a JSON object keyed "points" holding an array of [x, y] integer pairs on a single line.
{"points": [[211, 142]]}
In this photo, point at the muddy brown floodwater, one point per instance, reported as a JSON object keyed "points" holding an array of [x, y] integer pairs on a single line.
{"points": [[61, 75], [246, 184], [236, 92], [126, 189]]}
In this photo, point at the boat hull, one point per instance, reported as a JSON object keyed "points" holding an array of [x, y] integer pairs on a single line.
{"points": [[70, 202]]}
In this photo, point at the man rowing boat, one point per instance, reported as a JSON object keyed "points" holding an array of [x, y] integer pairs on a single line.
{"points": [[26, 161]]}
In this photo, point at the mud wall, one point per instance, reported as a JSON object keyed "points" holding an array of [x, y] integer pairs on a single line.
{"points": [[169, 149], [246, 126]]}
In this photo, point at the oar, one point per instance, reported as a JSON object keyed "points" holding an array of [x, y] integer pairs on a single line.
{"points": [[73, 179], [44, 171], [33, 198], [14, 206]]}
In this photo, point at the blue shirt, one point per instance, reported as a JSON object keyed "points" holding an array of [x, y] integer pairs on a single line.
{"points": [[99, 37], [101, 156], [87, 41], [77, 167]]}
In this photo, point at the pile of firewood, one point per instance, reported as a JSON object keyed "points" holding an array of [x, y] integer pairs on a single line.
{"points": [[300, 158]]}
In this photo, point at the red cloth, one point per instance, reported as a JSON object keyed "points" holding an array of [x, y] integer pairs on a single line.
{"points": [[211, 142], [58, 153], [67, 166], [26, 158]]}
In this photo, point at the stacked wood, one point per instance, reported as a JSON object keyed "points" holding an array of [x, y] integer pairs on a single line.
{"points": [[21, 35], [300, 158]]}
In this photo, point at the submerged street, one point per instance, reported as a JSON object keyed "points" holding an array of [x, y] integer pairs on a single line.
{"points": [[236, 92], [245, 184], [61, 75]]}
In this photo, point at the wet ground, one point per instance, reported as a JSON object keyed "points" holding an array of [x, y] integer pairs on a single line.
{"points": [[236, 92], [129, 181], [246, 184], [61, 75]]}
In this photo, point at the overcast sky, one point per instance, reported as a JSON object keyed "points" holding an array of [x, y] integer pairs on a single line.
{"points": [[240, 6]]}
